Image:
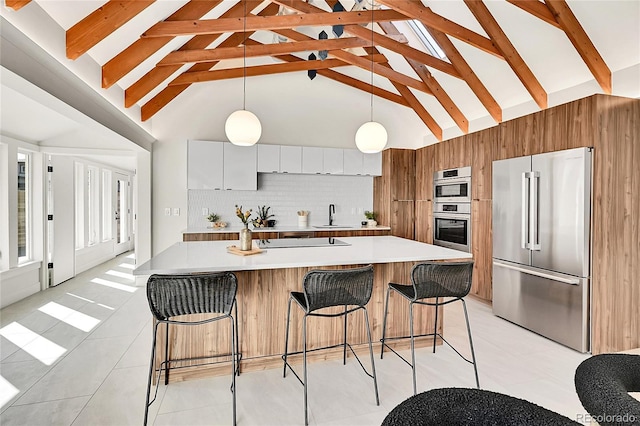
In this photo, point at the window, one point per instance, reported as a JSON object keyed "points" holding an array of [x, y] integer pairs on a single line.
{"points": [[79, 190], [93, 205], [427, 40], [106, 206], [24, 207]]}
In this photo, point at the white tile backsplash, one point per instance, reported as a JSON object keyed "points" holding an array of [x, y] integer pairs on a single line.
{"points": [[286, 194]]}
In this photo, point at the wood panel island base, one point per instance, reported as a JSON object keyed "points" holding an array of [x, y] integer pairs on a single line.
{"points": [[264, 283]]}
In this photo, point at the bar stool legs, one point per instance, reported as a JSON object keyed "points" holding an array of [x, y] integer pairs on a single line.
{"points": [[473, 353]]}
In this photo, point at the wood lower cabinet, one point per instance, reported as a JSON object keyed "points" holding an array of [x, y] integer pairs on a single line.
{"points": [[218, 236], [482, 248], [424, 221]]}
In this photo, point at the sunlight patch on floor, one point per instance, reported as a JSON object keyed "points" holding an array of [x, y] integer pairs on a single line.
{"points": [[70, 316], [44, 350], [114, 285], [7, 391]]}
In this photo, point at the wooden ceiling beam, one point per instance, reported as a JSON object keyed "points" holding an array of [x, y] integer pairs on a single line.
{"points": [[387, 41], [468, 75], [511, 55], [581, 42], [256, 23], [257, 70], [100, 23], [157, 75], [416, 10], [537, 9], [364, 63], [125, 61], [16, 4], [220, 53], [439, 93]]}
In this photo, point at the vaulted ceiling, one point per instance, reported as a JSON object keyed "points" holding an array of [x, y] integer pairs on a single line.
{"points": [[156, 50]]}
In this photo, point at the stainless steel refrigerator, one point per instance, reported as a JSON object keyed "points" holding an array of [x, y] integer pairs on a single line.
{"points": [[541, 244]]}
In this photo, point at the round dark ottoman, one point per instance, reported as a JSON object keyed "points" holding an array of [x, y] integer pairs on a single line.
{"points": [[603, 383], [458, 406]]}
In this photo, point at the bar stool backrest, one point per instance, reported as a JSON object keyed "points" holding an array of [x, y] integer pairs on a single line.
{"points": [[173, 295], [325, 288], [441, 279]]}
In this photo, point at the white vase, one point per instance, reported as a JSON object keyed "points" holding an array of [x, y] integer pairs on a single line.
{"points": [[371, 223]]}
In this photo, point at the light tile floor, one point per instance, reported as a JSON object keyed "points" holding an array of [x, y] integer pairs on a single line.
{"points": [[85, 361]]}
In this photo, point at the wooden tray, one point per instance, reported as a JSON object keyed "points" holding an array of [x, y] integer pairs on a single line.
{"points": [[236, 250]]}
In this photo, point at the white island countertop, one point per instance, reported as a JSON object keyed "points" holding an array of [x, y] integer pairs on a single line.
{"points": [[212, 256]]}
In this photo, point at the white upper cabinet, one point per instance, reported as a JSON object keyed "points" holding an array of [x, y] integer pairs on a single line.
{"points": [[221, 165], [352, 162], [204, 165], [290, 159], [268, 158], [357, 163], [240, 167], [312, 160], [333, 161], [372, 164]]}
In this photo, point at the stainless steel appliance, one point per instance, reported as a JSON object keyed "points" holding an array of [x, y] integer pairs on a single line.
{"points": [[452, 225], [452, 186], [541, 244]]}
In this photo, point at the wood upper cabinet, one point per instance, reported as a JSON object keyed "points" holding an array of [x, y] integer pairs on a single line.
{"points": [[402, 219], [402, 179], [424, 221], [452, 154], [482, 143], [424, 172]]}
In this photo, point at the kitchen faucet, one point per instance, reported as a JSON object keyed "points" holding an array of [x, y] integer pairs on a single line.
{"points": [[332, 210]]}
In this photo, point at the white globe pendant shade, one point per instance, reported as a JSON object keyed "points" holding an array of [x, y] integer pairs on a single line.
{"points": [[243, 128], [371, 137]]}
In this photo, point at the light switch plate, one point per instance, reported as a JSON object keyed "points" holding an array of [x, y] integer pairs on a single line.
{"points": [[167, 211], [176, 211]]}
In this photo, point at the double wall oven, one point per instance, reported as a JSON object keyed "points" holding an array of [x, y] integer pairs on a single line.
{"points": [[452, 208]]}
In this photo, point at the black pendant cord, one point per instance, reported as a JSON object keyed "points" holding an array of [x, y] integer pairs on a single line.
{"points": [[372, 51]]}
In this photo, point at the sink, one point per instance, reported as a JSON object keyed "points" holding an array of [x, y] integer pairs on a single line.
{"points": [[331, 226]]}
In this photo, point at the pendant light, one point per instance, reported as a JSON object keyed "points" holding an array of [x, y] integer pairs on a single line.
{"points": [[242, 127], [371, 137]]}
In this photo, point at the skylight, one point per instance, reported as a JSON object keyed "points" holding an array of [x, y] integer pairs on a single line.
{"points": [[427, 40]]}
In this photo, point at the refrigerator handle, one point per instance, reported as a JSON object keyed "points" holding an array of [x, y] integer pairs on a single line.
{"points": [[549, 276], [534, 217], [524, 224]]}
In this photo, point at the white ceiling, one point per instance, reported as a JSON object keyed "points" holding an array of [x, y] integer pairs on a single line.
{"points": [[295, 110]]}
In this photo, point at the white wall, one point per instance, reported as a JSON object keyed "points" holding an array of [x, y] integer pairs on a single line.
{"points": [[286, 194]]}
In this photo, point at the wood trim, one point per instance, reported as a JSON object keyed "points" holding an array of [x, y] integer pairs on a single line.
{"points": [[365, 64], [158, 74], [257, 70], [210, 55], [416, 10], [435, 87], [581, 43], [537, 9], [468, 75], [254, 23], [100, 23], [125, 61], [511, 55], [16, 4]]}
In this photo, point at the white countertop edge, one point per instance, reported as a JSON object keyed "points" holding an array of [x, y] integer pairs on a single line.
{"points": [[211, 256]]}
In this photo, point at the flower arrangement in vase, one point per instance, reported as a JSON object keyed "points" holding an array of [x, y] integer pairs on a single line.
{"points": [[245, 233], [263, 217]]}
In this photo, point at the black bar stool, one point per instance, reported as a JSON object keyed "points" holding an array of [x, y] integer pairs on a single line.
{"points": [[432, 280], [322, 289], [173, 295]]}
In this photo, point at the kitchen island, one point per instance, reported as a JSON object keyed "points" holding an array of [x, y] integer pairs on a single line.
{"points": [[264, 283]]}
